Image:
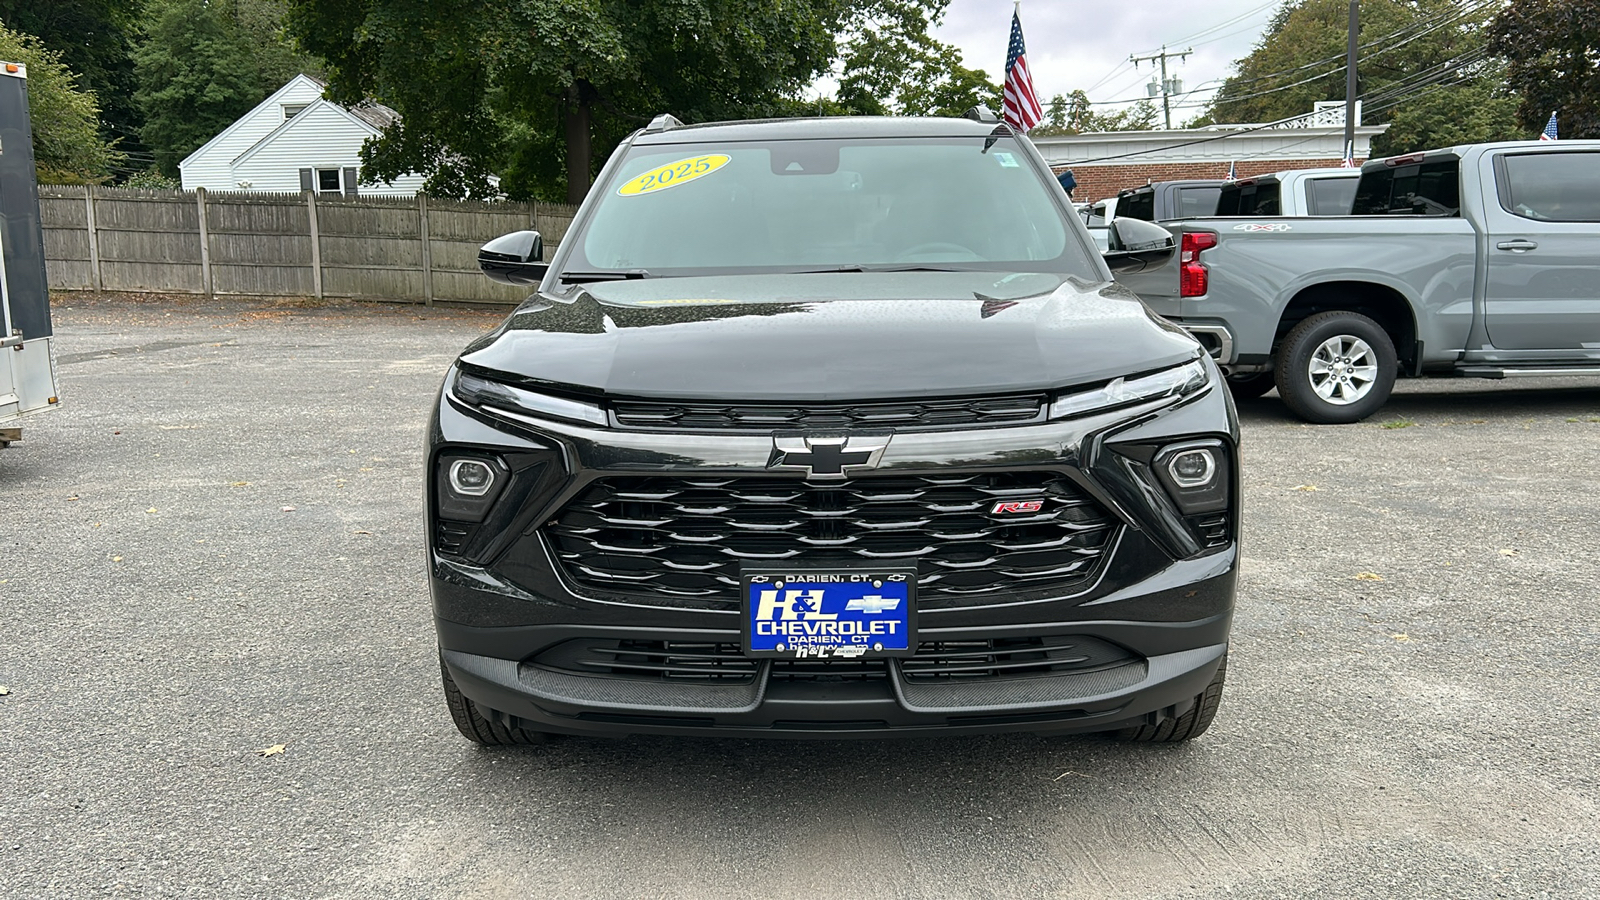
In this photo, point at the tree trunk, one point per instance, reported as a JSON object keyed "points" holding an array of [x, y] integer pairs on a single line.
{"points": [[576, 114]]}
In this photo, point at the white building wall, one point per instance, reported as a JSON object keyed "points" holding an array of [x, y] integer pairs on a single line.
{"points": [[211, 166], [322, 137], [1217, 144]]}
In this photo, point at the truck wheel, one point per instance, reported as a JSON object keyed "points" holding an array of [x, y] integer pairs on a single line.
{"points": [[1191, 724], [1249, 387], [1336, 368], [475, 727]]}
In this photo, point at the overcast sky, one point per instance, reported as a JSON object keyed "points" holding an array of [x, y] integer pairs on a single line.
{"points": [[1085, 44]]}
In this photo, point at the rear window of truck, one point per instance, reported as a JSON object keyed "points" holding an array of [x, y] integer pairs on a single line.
{"points": [[1331, 196], [1251, 200], [1138, 205], [1416, 189], [1196, 201]]}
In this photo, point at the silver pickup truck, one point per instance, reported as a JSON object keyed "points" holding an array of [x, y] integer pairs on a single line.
{"points": [[1479, 260]]}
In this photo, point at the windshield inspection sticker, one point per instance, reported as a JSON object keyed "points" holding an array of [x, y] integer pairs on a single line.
{"points": [[673, 174], [1007, 161], [1257, 227]]}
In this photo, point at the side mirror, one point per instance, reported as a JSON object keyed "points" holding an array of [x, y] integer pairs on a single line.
{"points": [[1134, 244], [515, 258]]}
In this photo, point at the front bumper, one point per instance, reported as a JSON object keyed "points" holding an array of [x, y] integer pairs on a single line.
{"points": [[1166, 604], [540, 699]]}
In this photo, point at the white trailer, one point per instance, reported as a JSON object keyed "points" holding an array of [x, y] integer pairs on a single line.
{"points": [[27, 360]]}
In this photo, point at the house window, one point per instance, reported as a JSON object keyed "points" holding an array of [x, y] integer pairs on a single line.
{"points": [[328, 182], [290, 110]]}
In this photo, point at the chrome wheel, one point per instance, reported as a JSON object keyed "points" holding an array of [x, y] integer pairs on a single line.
{"points": [[1343, 369]]}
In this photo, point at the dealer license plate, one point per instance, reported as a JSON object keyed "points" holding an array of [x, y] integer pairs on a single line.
{"points": [[830, 613]]}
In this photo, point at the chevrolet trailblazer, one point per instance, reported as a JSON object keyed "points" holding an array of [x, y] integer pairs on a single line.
{"points": [[831, 428]]}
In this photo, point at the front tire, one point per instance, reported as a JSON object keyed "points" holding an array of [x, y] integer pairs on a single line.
{"points": [[1336, 368], [475, 727], [1188, 726]]}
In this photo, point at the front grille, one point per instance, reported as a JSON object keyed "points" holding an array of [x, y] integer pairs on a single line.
{"points": [[1011, 658], [934, 662], [649, 537], [908, 415]]}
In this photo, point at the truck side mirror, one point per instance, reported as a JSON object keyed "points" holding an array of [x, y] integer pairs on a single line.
{"points": [[515, 258], [1133, 244]]}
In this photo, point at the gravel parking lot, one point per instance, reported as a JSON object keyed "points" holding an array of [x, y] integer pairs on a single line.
{"points": [[214, 548]]}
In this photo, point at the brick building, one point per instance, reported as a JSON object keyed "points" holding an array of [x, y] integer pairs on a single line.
{"points": [[1106, 162]]}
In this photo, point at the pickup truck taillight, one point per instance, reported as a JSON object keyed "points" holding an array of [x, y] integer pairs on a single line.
{"points": [[1192, 275]]}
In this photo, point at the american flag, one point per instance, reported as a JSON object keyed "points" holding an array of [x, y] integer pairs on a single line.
{"points": [[1549, 133], [1233, 173], [1022, 105]]}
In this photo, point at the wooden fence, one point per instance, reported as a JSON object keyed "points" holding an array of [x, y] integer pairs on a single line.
{"points": [[414, 249]]}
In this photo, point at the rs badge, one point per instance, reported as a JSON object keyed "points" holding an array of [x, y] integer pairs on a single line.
{"points": [[1006, 507]]}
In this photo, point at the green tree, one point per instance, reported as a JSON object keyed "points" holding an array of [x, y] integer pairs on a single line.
{"points": [[1072, 113], [1550, 48], [1423, 67], [892, 64], [203, 64], [540, 90], [95, 39], [67, 146]]}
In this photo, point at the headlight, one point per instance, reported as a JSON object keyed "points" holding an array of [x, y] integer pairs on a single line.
{"points": [[518, 403], [1178, 381]]}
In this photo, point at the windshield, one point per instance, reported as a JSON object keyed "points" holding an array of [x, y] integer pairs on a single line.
{"points": [[824, 205]]}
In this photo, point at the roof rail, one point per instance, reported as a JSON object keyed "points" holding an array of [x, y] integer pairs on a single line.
{"points": [[663, 122], [981, 114]]}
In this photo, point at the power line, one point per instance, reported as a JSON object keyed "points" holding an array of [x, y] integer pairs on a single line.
{"points": [[1442, 20]]}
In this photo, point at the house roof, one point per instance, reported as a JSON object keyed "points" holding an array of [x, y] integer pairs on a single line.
{"points": [[224, 133], [372, 117]]}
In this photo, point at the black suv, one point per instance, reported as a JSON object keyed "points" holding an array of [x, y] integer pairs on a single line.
{"points": [[831, 427]]}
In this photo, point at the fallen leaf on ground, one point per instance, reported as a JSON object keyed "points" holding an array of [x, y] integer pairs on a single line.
{"points": [[288, 509], [1368, 576], [152, 509], [4, 690], [1402, 637], [1306, 487], [274, 750], [362, 532], [72, 498], [1509, 552], [116, 559], [238, 484]]}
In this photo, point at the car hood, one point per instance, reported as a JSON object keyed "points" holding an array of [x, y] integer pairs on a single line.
{"points": [[833, 336]]}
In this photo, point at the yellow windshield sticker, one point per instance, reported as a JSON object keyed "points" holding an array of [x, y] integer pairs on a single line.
{"points": [[673, 174]]}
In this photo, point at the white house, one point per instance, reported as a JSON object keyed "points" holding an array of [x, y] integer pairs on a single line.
{"points": [[295, 141]]}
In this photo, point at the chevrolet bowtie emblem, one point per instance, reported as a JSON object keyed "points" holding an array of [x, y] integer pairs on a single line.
{"points": [[827, 459]]}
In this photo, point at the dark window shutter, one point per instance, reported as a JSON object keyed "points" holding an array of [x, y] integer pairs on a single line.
{"points": [[350, 188], [305, 180]]}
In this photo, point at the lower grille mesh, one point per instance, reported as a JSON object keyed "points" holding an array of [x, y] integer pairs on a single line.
{"points": [[688, 537], [934, 662]]}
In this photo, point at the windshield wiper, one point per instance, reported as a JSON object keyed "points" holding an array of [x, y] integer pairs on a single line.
{"points": [[909, 267], [585, 277]]}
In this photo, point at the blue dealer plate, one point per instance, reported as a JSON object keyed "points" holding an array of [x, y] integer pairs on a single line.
{"points": [[830, 613]]}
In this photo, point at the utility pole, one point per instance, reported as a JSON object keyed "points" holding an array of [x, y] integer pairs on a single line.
{"points": [[1350, 83], [1169, 86]]}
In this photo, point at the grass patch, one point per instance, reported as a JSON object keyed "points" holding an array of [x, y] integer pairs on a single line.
{"points": [[1399, 423]]}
